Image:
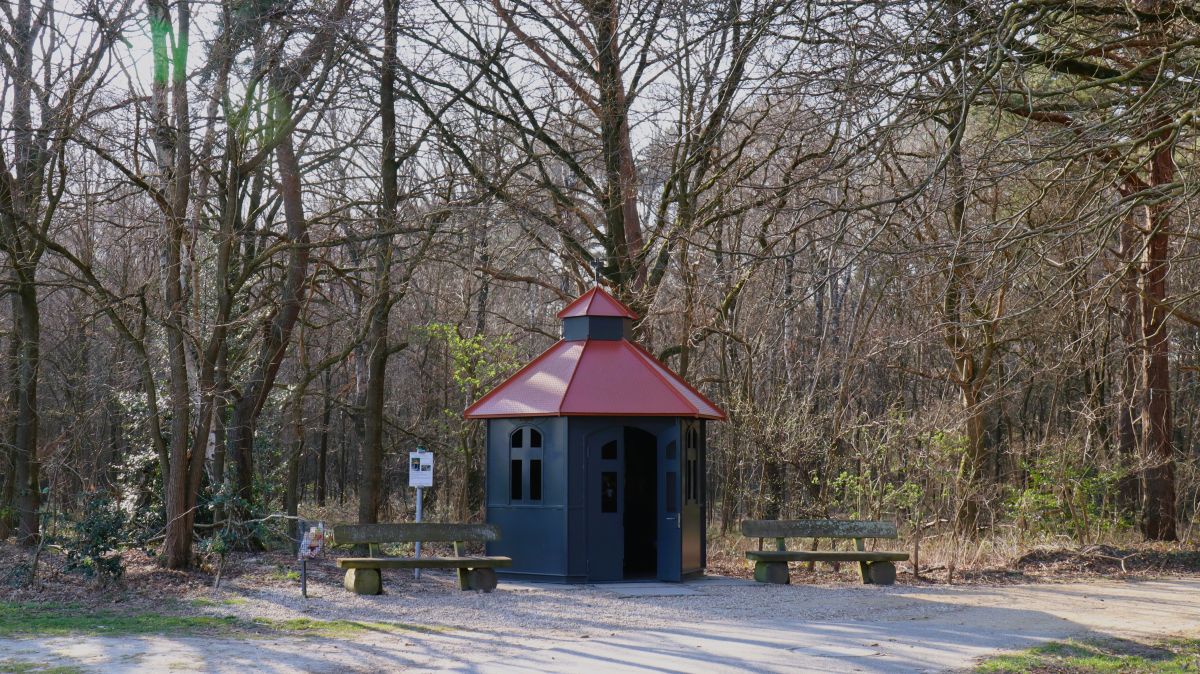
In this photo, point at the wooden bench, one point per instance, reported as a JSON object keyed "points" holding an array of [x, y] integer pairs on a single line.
{"points": [[770, 566], [363, 573]]}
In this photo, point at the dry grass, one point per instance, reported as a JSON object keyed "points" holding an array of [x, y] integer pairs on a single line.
{"points": [[995, 559], [145, 581]]}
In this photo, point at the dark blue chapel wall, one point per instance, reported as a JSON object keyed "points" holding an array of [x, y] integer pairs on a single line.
{"points": [[534, 535]]}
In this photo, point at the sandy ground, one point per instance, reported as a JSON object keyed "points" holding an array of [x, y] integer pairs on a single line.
{"points": [[713, 625]]}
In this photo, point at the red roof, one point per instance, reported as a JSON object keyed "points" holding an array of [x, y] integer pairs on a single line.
{"points": [[594, 377], [596, 302]]}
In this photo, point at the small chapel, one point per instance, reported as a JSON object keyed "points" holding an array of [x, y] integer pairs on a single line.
{"points": [[596, 457]]}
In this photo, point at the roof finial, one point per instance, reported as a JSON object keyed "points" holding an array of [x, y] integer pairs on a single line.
{"points": [[596, 266]]}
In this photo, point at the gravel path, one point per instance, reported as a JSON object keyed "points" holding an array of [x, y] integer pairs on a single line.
{"points": [[712, 625], [435, 600]]}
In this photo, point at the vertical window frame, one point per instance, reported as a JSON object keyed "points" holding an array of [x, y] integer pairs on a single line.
{"points": [[522, 453]]}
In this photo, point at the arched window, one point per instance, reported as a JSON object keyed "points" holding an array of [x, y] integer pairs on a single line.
{"points": [[525, 466]]}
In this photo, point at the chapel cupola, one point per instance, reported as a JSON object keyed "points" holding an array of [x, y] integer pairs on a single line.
{"points": [[596, 315]]}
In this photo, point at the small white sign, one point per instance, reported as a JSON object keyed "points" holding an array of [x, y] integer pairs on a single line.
{"points": [[420, 469]]}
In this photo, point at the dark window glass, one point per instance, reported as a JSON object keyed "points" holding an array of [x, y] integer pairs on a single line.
{"points": [[695, 479], [535, 479], [515, 439], [515, 479], [672, 496], [535, 438], [691, 479], [693, 488], [671, 451], [687, 480], [608, 492], [609, 451]]}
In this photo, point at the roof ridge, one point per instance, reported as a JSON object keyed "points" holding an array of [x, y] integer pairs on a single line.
{"points": [[643, 354], [571, 379], [646, 354]]}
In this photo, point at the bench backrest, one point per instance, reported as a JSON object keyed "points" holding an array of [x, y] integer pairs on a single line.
{"points": [[429, 532], [818, 529]]}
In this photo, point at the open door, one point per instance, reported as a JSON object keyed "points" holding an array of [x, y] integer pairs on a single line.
{"points": [[605, 493], [641, 521], [670, 533]]}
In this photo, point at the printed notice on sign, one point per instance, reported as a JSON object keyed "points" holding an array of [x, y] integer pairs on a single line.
{"points": [[420, 469]]}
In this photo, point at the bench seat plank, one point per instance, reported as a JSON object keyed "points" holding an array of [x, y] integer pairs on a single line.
{"points": [[423, 562], [824, 556]]}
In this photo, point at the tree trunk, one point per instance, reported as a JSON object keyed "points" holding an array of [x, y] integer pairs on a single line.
{"points": [[25, 437], [22, 207], [627, 266], [1128, 412], [970, 370], [172, 135], [974, 462], [323, 447], [1158, 451], [277, 329], [291, 497], [371, 479]]}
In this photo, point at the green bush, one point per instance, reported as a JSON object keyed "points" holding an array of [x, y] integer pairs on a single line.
{"points": [[95, 549]]}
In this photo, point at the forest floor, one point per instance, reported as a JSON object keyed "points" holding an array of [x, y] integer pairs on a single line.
{"points": [[156, 620]]}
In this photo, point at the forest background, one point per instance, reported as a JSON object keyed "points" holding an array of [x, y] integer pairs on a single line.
{"points": [[935, 258]]}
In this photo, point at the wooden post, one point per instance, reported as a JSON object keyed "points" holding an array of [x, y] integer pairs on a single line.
{"points": [[863, 567], [464, 579]]}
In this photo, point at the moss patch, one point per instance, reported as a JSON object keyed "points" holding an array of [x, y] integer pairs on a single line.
{"points": [[204, 602], [340, 628], [46, 620], [1175, 656], [62, 619], [282, 573], [23, 667]]}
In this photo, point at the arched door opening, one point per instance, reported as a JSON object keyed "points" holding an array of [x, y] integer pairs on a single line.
{"points": [[641, 504]]}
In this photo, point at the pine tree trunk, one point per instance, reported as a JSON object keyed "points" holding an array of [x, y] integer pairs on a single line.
{"points": [[1158, 451]]}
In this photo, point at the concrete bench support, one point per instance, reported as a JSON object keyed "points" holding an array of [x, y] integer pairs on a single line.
{"points": [[775, 573], [364, 581]]}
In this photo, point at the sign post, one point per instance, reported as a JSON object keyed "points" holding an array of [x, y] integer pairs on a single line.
{"points": [[420, 476]]}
